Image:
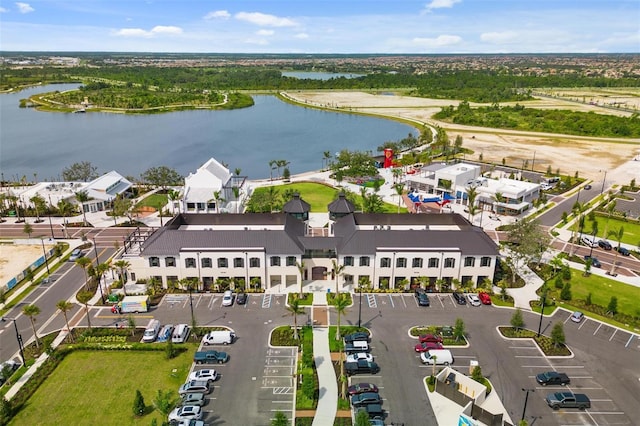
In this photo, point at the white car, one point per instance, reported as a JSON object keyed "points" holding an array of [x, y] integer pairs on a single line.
{"points": [[227, 299], [359, 356], [193, 423], [473, 300], [209, 375], [187, 412]]}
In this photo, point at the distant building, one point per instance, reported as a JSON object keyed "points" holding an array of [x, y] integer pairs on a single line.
{"points": [[200, 190], [266, 249]]}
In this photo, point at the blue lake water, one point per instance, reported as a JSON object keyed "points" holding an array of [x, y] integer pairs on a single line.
{"points": [[45, 143], [319, 75]]}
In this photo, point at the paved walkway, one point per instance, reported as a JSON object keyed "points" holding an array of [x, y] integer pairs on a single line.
{"points": [[327, 382]]}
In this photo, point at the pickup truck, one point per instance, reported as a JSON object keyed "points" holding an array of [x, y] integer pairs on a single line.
{"points": [[361, 367], [553, 378], [210, 357], [568, 400]]}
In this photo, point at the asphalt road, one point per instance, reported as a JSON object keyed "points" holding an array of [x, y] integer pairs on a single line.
{"points": [[565, 204]]}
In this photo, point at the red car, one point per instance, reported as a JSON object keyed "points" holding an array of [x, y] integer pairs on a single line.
{"points": [[430, 338], [362, 388], [428, 346], [484, 298]]}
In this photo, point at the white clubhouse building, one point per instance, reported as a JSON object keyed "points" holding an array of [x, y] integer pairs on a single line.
{"points": [[273, 250]]}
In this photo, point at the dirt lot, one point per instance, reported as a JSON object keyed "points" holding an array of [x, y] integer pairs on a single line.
{"points": [[566, 153], [14, 258]]}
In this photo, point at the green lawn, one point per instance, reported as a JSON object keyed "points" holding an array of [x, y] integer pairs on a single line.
{"points": [[631, 230], [154, 200], [602, 288], [319, 196], [90, 388]]}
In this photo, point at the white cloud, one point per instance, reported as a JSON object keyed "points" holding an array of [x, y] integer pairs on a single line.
{"points": [[301, 36], [218, 14], [440, 41], [3, 10], [161, 29], [24, 7], [499, 37], [265, 32], [264, 20], [139, 32], [439, 4]]}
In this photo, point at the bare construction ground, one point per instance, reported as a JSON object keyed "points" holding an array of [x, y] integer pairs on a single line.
{"points": [[566, 153], [15, 258]]}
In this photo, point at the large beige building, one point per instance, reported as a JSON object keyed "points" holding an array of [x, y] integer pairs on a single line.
{"points": [[272, 250]]}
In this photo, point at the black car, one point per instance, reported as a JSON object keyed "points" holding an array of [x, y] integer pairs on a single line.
{"points": [[594, 261], [623, 251], [587, 187], [365, 399], [459, 298], [241, 299], [357, 336], [604, 244], [422, 298]]}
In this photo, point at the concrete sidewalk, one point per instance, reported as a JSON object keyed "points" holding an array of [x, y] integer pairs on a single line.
{"points": [[327, 383]]}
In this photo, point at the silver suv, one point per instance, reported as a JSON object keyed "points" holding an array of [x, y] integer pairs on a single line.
{"points": [[195, 386]]}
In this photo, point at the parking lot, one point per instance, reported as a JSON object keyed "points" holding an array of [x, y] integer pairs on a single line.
{"points": [[257, 381]]}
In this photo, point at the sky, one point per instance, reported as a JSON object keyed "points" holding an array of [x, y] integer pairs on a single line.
{"points": [[322, 26]]}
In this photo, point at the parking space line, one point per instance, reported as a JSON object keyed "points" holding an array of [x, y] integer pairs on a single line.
{"points": [[391, 300], [198, 301], [629, 341], [583, 323], [210, 304], [403, 301], [614, 333], [530, 356], [600, 325]]}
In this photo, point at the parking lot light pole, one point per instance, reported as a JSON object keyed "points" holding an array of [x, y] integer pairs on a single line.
{"points": [[44, 253], [544, 297], [18, 337], [360, 306], [603, 181], [526, 398]]}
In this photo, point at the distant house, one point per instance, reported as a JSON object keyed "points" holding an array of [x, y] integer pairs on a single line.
{"points": [[201, 187]]}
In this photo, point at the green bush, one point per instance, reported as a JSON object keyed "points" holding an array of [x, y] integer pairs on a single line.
{"points": [[138, 404]]}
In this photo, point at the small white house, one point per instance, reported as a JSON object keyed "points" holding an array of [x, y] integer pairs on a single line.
{"points": [[212, 189]]}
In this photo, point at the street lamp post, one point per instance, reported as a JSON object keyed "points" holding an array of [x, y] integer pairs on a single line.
{"points": [[360, 306], [594, 239], [544, 297], [193, 318], [603, 181], [18, 337], [44, 253], [526, 398], [95, 250]]}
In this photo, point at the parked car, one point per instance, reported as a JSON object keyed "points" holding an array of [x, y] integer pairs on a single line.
{"points": [[422, 299], [594, 261], [227, 298], [577, 316], [588, 241], [209, 375], [374, 411], [193, 422], [361, 367], [430, 338], [186, 412], [428, 346], [604, 244], [241, 299], [484, 298], [195, 386], [6, 370], [196, 398], [365, 398], [473, 300], [210, 357], [357, 336], [360, 355], [362, 387], [568, 400], [622, 250], [165, 333], [356, 347], [459, 297], [553, 378], [587, 187], [76, 254]]}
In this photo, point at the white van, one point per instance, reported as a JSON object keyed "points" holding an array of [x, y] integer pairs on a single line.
{"points": [[439, 356], [151, 332], [589, 241], [180, 333], [219, 337]]}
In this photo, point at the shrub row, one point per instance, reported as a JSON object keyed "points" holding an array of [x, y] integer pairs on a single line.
{"points": [[104, 339]]}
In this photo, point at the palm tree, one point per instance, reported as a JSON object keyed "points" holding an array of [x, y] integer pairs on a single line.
{"points": [[173, 196], [32, 311], [556, 263], [611, 207], [65, 208], [295, 309], [64, 307], [272, 167], [497, 198], [618, 237], [84, 297], [217, 197], [99, 271], [122, 267], [38, 204], [236, 195], [82, 197], [84, 263], [472, 194], [300, 266], [27, 228], [337, 271], [399, 187], [341, 302], [326, 156]]}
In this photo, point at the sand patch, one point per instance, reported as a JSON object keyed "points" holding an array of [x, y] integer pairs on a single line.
{"points": [[15, 258]]}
